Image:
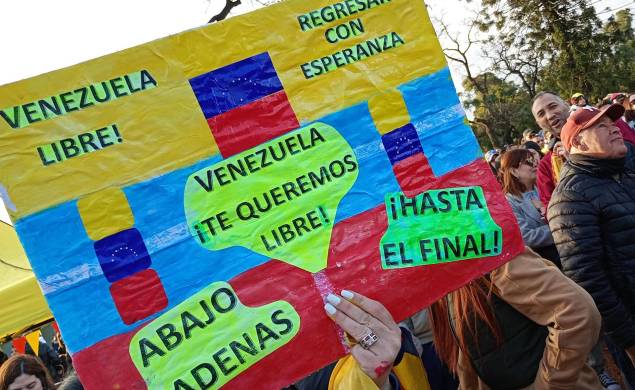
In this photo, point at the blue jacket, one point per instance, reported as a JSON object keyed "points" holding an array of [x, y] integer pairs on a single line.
{"points": [[533, 226]]}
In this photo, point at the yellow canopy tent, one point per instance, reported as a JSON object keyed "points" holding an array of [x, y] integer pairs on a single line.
{"points": [[22, 305]]}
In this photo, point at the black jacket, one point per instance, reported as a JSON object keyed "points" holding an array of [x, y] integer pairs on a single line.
{"points": [[514, 363], [592, 218]]}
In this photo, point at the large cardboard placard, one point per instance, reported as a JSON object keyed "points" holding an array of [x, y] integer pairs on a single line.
{"points": [[187, 204]]}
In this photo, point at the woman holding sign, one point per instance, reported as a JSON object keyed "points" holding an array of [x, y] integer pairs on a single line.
{"points": [[523, 326], [382, 355]]}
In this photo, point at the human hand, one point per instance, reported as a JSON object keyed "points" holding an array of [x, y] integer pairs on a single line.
{"points": [[560, 151], [371, 325]]}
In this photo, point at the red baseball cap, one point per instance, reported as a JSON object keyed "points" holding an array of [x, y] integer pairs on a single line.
{"points": [[583, 118]]}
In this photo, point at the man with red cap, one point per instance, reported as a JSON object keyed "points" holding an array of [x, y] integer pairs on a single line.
{"points": [[592, 219]]}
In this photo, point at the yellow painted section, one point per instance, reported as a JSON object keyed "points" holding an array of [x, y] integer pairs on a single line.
{"points": [[105, 213], [389, 111], [164, 129]]}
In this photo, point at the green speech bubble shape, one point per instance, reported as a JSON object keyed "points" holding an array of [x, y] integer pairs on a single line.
{"points": [[438, 226], [278, 199], [209, 339]]}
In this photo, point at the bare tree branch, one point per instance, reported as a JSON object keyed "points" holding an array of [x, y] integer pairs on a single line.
{"points": [[481, 123], [222, 15], [461, 56]]}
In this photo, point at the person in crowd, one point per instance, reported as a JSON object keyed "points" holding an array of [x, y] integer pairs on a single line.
{"points": [[518, 168], [616, 97], [603, 103], [629, 113], [71, 382], [491, 157], [25, 372], [3, 357], [60, 347], [578, 100], [551, 113], [523, 326], [383, 355], [50, 358], [534, 149], [531, 135], [548, 141], [439, 375], [592, 219], [622, 99]]}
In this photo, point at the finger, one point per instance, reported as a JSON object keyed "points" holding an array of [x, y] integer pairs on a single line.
{"points": [[375, 308], [353, 328], [356, 313]]}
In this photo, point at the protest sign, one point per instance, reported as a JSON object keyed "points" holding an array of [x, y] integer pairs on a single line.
{"points": [[188, 204]]}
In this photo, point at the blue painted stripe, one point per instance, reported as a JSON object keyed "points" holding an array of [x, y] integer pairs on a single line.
{"points": [[402, 143], [236, 84], [436, 113], [122, 254]]}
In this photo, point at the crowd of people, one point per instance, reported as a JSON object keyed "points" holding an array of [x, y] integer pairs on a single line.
{"points": [[545, 319], [572, 189], [541, 321]]}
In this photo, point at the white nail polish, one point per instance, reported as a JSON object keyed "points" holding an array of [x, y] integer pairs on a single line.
{"points": [[330, 309], [347, 294], [333, 299]]}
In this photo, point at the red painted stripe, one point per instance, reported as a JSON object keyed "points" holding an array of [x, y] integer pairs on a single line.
{"points": [[354, 264], [252, 124], [413, 173], [138, 296]]}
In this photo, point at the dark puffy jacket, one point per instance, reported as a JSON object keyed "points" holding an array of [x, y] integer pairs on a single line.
{"points": [[592, 218]]}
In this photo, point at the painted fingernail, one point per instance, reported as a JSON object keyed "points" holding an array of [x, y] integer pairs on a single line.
{"points": [[330, 309], [347, 294], [333, 299]]}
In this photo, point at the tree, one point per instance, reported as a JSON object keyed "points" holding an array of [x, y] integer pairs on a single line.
{"points": [[499, 106], [535, 45], [231, 4], [617, 64], [222, 15], [561, 45]]}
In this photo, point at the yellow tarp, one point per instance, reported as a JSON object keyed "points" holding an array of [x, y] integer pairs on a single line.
{"points": [[21, 301]]}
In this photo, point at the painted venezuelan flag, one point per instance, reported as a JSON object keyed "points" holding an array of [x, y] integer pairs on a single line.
{"points": [[244, 104]]}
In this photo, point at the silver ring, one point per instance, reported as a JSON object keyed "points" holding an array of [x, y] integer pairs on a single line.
{"points": [[369, 340]]}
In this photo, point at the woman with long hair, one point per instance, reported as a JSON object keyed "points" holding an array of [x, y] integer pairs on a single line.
{"points": [[518, 172], [523, 326], [25, 372]]}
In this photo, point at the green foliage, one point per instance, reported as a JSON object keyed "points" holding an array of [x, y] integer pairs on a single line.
{"points": [[578, 53], [538, 45], [501, 109]]}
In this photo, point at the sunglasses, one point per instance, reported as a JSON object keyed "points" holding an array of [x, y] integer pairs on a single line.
{"points": [[529, 162]]}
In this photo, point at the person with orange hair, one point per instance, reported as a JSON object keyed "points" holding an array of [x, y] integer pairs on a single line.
{"points": [[523, 326]]}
